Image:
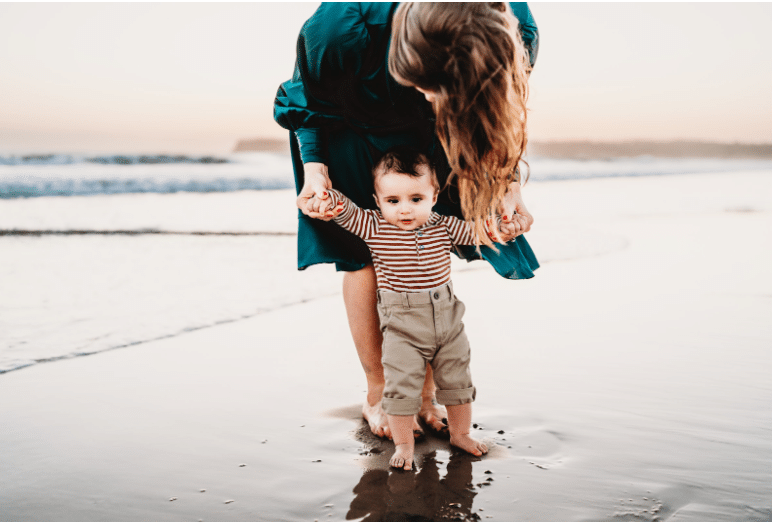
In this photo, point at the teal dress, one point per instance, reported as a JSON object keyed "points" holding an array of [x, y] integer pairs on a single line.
{"points": [[344, 109]]}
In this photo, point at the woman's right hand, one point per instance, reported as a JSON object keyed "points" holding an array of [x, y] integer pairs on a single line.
{"points": [[312, 200], [516, 219]]}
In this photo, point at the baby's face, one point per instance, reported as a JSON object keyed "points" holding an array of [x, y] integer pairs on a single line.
{"points": [[406, 201]]}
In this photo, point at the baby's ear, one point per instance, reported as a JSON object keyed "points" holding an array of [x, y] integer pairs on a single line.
{"points": [[376, 201], [436, 194]]}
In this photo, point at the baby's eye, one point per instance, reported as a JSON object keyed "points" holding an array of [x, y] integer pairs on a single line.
{"points": [[417, 199], [393, 201]]}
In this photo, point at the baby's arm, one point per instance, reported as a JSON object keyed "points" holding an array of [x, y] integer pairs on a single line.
{"points": [[461, 232], [358, 221]]}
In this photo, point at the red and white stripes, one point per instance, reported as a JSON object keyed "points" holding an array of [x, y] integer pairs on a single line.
{"points": [[405, 260]]}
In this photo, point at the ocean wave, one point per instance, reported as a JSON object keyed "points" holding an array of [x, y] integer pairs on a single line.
{"points": [[36, 186], [115, 159], [549, 169], [68, 175]]}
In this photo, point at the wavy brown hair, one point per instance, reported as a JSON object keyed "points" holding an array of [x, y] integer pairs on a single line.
{"points": [[472, 58]]}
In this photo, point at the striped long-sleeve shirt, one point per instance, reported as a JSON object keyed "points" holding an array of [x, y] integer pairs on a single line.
{"points": [[405, 260]]}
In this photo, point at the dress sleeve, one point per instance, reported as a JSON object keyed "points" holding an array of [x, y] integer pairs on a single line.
{"points": [[528, 29], [329, 53], [360, 222]]}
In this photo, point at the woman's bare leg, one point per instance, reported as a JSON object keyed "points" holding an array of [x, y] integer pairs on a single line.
{"points": [[360, 298], [432, 413]]}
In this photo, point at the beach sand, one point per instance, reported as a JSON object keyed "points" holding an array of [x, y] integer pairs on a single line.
{"points": [[628, 381]]}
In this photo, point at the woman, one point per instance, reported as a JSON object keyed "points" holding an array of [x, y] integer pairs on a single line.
{"points": [[450, 79]]}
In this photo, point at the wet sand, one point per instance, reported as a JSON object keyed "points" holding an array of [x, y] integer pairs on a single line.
{"points": [[629, 380]]}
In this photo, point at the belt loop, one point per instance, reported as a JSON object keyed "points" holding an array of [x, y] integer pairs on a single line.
{"points": [[405, 301], [378, 295], [450, 288]]}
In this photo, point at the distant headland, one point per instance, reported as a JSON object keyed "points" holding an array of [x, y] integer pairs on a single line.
{"points": [[263, 145], [590, 150], [657, 149]]}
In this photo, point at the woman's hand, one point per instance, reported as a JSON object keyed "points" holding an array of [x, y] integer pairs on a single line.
{"points": [[515, 218], [313, 198]]}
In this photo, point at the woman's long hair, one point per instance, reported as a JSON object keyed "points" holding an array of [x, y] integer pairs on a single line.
{"points": [[471, 56]]}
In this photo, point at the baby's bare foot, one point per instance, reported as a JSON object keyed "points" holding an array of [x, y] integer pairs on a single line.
{"points": [[468, 444], [403, 457], [376, 418]]}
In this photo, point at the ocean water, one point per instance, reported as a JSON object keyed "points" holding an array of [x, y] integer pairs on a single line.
{"points": [[99, 253], [78, 175]]}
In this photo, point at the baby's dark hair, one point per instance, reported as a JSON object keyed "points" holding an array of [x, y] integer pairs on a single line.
{"points": [[404, 160]]}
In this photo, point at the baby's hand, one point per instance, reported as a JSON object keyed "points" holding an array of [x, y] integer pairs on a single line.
{"points": [[327, 208], [318, 205]]}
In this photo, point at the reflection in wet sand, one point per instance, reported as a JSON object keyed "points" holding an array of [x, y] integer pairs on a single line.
{"points": [[423, 495], [440, 487]]}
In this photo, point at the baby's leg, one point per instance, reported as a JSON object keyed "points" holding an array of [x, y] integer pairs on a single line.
{"points": [[459, 424], [402, 433]]}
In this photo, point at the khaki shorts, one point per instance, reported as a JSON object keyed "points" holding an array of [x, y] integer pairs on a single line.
{"points": [[419, 328]]}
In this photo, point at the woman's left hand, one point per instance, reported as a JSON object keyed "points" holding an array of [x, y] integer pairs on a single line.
{"points": [[515, 218]]}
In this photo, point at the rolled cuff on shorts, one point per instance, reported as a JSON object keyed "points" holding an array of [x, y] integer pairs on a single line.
{"points": [[456, 397], [401, 406]]}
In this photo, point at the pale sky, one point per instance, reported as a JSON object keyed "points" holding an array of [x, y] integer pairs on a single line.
{"points": [[196, 77]]}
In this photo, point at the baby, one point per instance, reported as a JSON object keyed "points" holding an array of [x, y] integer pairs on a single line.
{"points": [[419, 313]]}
